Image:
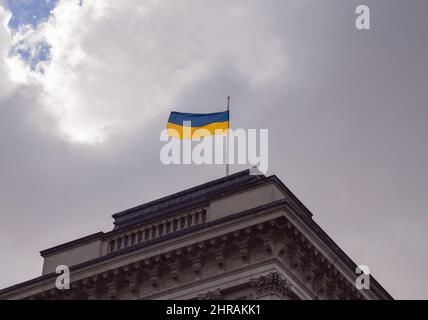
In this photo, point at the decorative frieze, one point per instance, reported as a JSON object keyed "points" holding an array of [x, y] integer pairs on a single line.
{"points": [[211, 295], [276, 239], [271, 286]]}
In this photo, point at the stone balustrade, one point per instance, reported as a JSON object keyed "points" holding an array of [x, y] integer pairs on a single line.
{"points": [[156, 230]]}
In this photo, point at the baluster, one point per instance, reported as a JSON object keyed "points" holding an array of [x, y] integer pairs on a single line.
{"points": [[126, 241], [178, 224]]}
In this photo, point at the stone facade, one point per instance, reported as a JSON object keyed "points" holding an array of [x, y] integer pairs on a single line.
{"points": [[239, 237]]}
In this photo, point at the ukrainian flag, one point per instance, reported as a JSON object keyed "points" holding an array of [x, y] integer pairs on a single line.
{"points": [[197, 125]]}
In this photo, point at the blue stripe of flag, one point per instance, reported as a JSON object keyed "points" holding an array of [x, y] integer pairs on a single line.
{"points": [[198, 119]]}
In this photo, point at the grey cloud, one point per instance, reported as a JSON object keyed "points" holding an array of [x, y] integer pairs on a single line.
{"points": [[347, 124]]}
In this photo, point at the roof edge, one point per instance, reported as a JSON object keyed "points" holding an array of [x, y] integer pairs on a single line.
{"points": [[180, 193], [71, 244]]}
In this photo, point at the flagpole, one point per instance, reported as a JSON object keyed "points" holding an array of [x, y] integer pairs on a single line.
{"points": [[227, 138]]}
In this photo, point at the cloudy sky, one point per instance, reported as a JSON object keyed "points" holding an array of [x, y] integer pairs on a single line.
{"points": [[87, 86]]}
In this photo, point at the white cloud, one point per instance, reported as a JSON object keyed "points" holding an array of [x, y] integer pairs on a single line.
{"points": [[116, 64], [5, 83]]}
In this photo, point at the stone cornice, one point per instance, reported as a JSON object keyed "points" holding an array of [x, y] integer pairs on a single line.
{"points": [[270, 233]]}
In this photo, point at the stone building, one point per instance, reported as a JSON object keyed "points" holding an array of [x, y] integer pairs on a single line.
{"points": [[238, 237]]}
